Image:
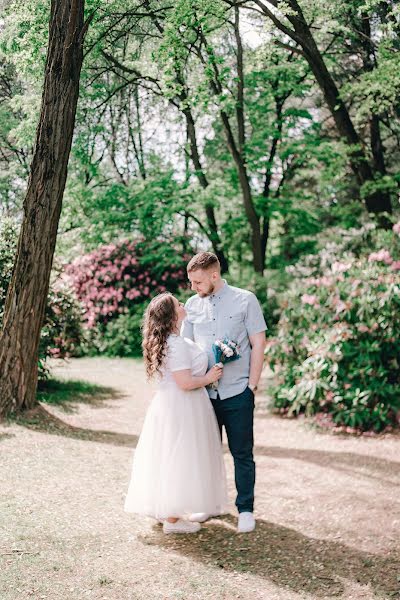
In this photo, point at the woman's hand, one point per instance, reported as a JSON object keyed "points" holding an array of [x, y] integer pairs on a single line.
{"points": [[214, 374]]}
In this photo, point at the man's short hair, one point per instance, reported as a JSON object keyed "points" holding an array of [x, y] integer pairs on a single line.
{"points": [[203, 260]]}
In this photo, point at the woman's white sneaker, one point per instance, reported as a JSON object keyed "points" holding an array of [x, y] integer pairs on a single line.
{"points": [[181, 526], [246, 522]]}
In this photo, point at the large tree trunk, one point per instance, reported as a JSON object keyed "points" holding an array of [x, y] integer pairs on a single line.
{"points": [[27, 294]]}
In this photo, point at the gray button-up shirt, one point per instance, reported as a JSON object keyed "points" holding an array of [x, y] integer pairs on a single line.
{"points": [[233, 313]]}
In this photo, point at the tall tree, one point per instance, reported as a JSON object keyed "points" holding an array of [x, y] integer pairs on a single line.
{"points": [[289, 18], [27, 293]]}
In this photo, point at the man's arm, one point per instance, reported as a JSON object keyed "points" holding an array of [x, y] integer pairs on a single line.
{"points": [[258, 343]]}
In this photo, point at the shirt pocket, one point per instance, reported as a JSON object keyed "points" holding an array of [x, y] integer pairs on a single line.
{"points": [[233, 326]]}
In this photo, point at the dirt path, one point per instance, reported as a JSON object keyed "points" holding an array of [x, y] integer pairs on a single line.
{"points": [[328, 511]]}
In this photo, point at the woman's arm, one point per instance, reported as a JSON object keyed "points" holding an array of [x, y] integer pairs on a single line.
{"points": [[186, 381]]}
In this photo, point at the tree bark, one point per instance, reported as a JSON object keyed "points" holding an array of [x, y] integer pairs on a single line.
{"points": [[184, 106], [27, 294], [233, 147], [213, 234]]}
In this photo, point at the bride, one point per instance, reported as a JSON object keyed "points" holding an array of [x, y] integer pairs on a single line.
{"points": [[178, 466]]}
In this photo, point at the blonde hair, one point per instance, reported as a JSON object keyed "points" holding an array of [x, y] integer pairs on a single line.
{"points": [[159, 321], [203, 260]]}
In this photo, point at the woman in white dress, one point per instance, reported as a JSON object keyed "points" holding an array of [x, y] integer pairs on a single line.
{"points": [[178, 466]]}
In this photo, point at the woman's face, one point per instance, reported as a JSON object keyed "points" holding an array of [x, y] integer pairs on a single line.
{"points": [[180, 309]]}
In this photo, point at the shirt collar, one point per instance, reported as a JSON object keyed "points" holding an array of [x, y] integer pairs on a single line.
{"points": [[220, 292]]}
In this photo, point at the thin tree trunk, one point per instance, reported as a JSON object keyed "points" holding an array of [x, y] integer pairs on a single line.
{"points": [[377, 201], [213, 234], [369, 62], [27, 293], [233, 147]]}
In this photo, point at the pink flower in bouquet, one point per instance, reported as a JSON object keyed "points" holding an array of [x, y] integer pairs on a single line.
{"points": [[396, 228], [396, 265]]}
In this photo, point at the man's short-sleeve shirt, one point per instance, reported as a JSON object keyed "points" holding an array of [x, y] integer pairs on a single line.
{"points": [[232, 313]]}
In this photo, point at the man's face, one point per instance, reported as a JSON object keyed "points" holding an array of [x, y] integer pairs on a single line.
{"points": [[203, 281]]}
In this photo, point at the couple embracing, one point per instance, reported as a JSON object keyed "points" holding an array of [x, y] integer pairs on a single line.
{"points": [[178, 474]]}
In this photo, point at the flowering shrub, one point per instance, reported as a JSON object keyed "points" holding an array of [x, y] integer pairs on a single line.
{"points": [[337, 349], [113, 278]]}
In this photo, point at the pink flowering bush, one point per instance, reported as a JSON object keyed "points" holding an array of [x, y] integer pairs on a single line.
{"points": [[337, 349], [111, 279], [114, 283]]}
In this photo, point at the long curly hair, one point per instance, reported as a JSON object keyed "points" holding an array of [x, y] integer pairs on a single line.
{"points": [[159, 321]]}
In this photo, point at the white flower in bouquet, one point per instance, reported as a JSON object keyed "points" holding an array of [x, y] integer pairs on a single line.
{"points": [[225, 350]]}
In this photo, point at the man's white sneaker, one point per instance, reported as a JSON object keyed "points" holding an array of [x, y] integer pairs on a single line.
{"points": [[181, 526], [246, 522]]}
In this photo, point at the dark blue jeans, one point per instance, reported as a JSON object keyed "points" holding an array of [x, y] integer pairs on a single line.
{"points": [[236, 414]]}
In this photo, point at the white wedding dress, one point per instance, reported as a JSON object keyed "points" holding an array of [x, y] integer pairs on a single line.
{"points": [[178, 467]]}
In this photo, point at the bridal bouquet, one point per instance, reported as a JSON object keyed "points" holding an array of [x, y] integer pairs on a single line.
{"points": [[225, 351]]}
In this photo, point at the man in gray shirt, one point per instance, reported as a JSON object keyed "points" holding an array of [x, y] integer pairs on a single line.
{"points": [[217, 311]]}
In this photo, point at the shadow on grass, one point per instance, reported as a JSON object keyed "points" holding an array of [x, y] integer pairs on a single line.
{"points": [[4, 436], [65, 394], [285, 557], [348, 462], [39, 419]]}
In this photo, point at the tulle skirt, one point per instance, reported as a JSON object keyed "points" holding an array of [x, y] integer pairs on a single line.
{"points": [[178, 466]]}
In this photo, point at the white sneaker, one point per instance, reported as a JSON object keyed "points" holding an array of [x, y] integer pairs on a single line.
{"points": [[246, 522], [181, 526]]}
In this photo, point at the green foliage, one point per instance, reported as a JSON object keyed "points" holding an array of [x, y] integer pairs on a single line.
{"points": [[121, 336], [337, 347], [66, 393], [62, 332], [8, 246]]}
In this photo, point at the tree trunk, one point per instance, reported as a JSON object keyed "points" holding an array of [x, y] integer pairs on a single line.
{"points": [[213, 234], [377, 201], [27, 294]]}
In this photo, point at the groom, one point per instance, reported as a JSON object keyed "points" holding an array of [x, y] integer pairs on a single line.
{"points": [[219, 310]]}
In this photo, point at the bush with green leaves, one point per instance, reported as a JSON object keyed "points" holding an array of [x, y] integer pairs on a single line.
{"points": [[8, 248], [337, 348], [121, 336], [62, 332]]}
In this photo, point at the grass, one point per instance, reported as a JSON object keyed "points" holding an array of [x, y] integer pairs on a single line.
{"points": [[61, 392]]}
